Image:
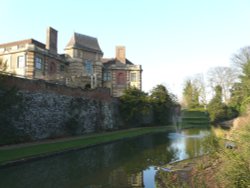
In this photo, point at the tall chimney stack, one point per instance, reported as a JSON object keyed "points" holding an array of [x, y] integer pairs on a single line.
{"points": [[51, 40], [121, 54]]}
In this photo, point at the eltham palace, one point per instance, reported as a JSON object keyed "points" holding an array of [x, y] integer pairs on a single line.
{"points": [[82, 64]]}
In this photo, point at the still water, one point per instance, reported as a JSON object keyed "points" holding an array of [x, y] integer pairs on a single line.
{"points": [[130, 163]]}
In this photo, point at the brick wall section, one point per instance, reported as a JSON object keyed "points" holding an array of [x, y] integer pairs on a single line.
{"points": [[43, 86]]}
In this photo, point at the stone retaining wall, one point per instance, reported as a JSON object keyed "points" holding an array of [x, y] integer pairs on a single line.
{"points": [[48, 110]]}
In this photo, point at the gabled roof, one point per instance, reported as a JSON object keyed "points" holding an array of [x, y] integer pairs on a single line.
{"points": [[84, 42]]}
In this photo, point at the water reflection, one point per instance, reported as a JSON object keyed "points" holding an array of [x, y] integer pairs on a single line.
{"points": [[123, 164], [188, 143]]}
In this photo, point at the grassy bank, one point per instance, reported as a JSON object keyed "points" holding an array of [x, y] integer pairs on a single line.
{"points": [[222, 167], [194, 118], [28, 151]]}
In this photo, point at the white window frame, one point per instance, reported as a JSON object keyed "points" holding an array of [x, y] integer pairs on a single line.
{"points": [[20, 61], [133, 77]]}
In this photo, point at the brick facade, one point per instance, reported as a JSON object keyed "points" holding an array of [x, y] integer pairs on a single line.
{"points": [[31, 85], [123, 73]]}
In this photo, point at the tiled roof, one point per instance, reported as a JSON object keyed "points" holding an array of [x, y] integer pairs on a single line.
{"points": [[27, 41], [84, 42], [112, 61]]}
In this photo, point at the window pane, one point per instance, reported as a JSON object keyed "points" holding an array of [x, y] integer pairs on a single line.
{"points": [[106, 76], [133, 77], [20, 62], [121, 78], [38, 63], [88, 67]]}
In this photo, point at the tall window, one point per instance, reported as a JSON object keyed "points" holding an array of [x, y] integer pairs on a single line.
{"points": [[38, 63], [121, 78], [88, 67], [133, 77], [20, 62], [106, 76]]}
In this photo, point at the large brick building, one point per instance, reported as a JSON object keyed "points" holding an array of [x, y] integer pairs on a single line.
{"points": [[82, 65]]}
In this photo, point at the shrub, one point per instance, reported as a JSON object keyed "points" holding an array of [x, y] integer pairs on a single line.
{"points": [[236, 167]]}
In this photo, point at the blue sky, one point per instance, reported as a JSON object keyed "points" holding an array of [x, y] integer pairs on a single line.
{"points": [[171, 39]]}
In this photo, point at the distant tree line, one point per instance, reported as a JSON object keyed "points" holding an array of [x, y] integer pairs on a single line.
{"points": [[139, 108], [229, 88]]}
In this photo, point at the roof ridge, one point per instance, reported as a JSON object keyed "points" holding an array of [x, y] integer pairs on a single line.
{"points": [[75, 33], [32, 40]]}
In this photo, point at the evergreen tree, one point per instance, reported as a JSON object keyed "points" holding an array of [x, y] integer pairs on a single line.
{"points": [[162, 102], [216, 108], [134, 105], [191, 95]]}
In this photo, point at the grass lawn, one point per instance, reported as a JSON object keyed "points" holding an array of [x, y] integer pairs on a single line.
{"points": [[38, 149]]}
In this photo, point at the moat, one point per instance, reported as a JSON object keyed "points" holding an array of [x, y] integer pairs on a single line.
{"points": [[129, 163]]}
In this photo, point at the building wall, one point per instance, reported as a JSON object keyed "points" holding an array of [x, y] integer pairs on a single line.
{"points": [[30, 64], [9, 56], [98, 67], [121, 78], [82, 68], [83, 54], [79, 75], [50, 67], [39, 73], [119, 82], [46, 86], [138, 81], [75, 74]]}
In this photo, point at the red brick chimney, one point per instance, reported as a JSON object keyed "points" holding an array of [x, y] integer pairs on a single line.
{"points": [[121, 54], [51, 40]]}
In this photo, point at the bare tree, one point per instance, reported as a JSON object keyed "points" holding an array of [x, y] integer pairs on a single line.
{"points": [[199, 83], [241, 91], [241, 58], [224, 77]]}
